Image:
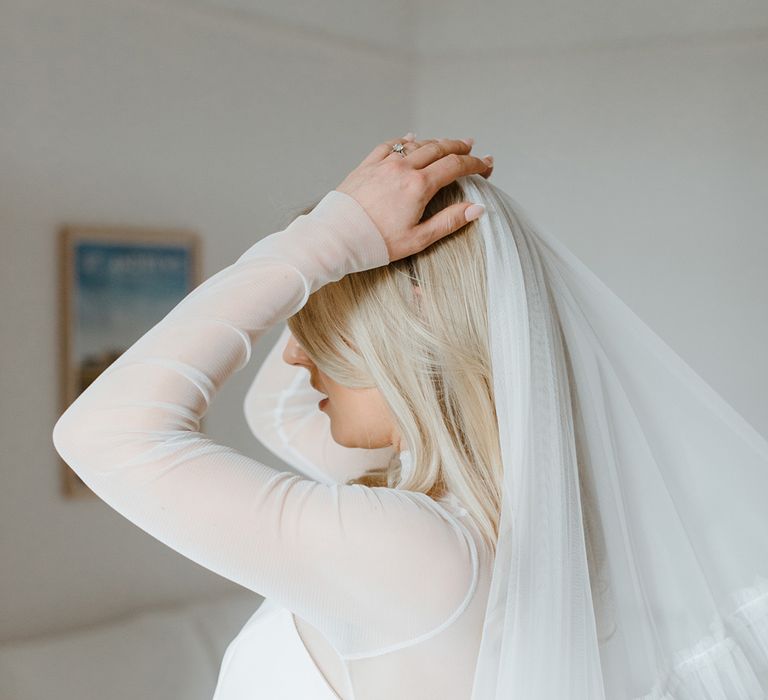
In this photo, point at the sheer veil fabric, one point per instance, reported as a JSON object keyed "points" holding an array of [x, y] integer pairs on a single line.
{"points": [[632, 559]]}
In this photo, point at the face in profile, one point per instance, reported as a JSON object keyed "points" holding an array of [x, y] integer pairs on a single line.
{"points": [[359, 417]]}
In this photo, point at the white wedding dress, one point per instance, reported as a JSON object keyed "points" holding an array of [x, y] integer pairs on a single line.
{"points": [[388, 587], [270, 653]]}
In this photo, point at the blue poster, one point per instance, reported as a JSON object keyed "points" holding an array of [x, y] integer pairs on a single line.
{"points": [[120, 292]]}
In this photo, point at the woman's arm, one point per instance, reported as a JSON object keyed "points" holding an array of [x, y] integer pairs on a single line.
{"points": [[281, 410], [334, 554]]}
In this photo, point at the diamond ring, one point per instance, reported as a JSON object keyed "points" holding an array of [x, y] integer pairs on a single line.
{"points": [[399, 148]]}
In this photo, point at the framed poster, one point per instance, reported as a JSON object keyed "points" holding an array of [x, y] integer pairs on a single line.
{"points": [[115, 284]]}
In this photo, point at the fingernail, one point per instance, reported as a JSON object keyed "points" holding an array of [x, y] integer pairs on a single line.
{"points": [[488, 158], [409, 136], [473, 211], [468, 141]]}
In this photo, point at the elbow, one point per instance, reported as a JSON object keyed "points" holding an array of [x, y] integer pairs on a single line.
{"points": [[74, 434], [75, 443], [64, 435], [96, 442]]}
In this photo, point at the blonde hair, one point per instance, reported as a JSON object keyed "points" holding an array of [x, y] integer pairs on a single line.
{"points": [[428, 354]]}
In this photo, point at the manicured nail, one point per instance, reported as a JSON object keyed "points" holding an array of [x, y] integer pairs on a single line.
{"points": [[410, 136], [473, 211], [488, 158], [468, 141]]}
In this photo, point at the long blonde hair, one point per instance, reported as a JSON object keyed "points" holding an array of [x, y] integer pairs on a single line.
{"points": [[427, 352]]}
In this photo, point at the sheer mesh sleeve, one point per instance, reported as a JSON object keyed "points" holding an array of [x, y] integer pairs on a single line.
{"points": [[367, 566], [281, 410]]}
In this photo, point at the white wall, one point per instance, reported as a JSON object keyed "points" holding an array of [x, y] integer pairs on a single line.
{"points": [[646, 155], [121, 113], [446, 27], [649, 160]]}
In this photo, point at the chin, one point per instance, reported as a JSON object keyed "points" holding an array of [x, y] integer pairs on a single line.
{"points": [[338, 439], [344, 443], [342, 438]]}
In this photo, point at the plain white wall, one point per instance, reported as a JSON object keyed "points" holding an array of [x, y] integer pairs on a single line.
{"points": [[646, 156], [118, 113]]}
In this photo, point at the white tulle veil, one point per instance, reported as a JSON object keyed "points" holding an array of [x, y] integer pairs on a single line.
{"points": [[632, 560]]}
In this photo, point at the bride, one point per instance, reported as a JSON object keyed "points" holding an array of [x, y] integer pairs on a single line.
{"points": [[513, 489]]}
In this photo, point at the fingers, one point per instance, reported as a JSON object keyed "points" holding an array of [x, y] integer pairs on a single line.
{"points": [[452, 166], [488, 159], [409, 146], [442, 160], [447, 221], [384, 149], [434, 149]]}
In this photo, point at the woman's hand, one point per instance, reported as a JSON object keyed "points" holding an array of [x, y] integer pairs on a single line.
{"points": [[394, 190]]}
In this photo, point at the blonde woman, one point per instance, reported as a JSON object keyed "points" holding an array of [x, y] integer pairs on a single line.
{"points": [[373, 591], [513, 489]]}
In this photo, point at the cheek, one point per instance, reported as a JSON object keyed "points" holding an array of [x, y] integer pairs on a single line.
{"points": [[342, 402], [358, 417], [358, 410]]}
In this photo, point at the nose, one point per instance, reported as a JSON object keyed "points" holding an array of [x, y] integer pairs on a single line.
{"points": [[294, 354]]}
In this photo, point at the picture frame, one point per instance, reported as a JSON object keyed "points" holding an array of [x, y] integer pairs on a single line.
{"points": [[116, 282]]}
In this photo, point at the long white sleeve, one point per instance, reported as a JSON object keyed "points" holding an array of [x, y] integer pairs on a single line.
{"points": [[369, 567]]}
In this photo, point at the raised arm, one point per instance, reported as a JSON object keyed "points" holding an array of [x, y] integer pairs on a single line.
{"points": [[331, 553], [369, 567], [281, 410]]}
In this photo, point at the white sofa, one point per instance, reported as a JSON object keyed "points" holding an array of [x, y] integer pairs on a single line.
{"points": [[169, 653]]}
